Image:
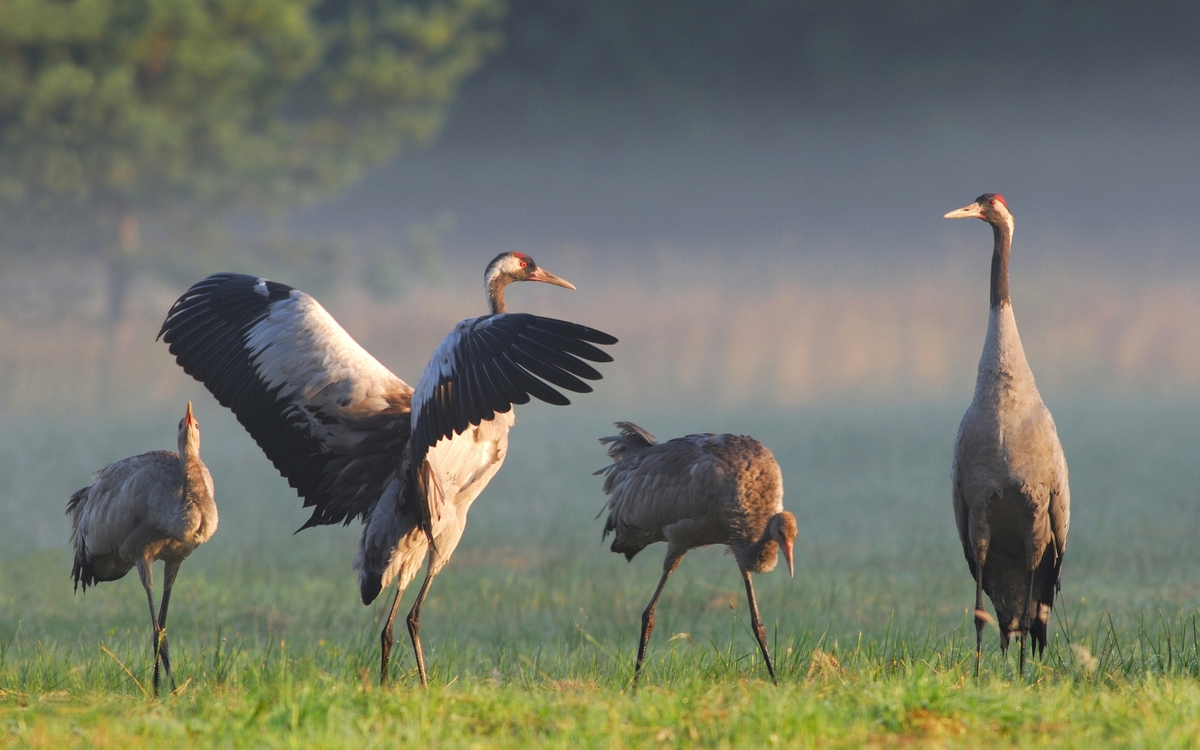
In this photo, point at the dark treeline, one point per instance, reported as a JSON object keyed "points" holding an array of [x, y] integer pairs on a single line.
{"points": [[701, 122], [588, 62]]}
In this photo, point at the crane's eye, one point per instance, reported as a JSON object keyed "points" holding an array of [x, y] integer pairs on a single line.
{"points": [[524, 264], [992, 201]]}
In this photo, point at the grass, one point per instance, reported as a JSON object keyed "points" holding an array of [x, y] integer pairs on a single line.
{"points": [[530, 631]]}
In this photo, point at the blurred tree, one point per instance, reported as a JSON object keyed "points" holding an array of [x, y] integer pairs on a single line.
{"points": [[114, 113]]}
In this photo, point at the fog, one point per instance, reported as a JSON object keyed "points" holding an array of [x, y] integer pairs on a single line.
{"points": [[752, 204], [1111, 172]]}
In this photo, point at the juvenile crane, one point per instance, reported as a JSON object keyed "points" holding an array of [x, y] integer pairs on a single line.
{"points": [[355, 440], [1011, 498], [154, 506], [694, 491]]}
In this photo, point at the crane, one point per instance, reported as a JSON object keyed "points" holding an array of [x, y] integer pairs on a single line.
{"points": [[153, 506], [355, 440], [1012, 503], [694, 491]]}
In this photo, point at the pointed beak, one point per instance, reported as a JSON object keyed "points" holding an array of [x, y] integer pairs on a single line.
{"points": [[787, 555], [973, 211], [188, 419], [542, 274]]}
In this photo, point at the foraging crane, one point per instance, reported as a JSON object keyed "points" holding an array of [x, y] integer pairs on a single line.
{"points": [[154, 506], [355, 440], [1011, 498], [694, 491]]}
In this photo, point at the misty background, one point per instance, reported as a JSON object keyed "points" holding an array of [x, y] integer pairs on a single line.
{"points": [[748, 195]]}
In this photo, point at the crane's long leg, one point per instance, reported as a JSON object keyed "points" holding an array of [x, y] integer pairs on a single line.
{"points": [[414, 622], [146, 573], [756, 622], [669, 566], [1026, 623], [170, 570], [386, 638], [1021, 654], [980, 612]]}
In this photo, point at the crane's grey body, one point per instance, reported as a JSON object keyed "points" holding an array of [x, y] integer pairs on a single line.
{"points": [[691, 492], [141, 507], [354, 439], [154, 506], [1011, 496]]}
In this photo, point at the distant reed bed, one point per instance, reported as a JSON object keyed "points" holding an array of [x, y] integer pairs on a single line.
{"points": [[779, 340]]}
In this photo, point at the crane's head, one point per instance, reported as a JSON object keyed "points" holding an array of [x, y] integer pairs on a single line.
{"points": [[517, 266], [991, 207], [189, 430], [782, 529], [506, 268]]}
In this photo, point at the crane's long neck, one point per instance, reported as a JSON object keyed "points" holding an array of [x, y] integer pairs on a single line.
{"points": [[495, 292], [1002, 232], [195, 489], [1002, 367]]}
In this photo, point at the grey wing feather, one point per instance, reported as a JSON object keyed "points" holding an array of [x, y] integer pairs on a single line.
{"points": [[962, 510], [652, 487], [121, 498], [1060, 506], [1055, 478]]}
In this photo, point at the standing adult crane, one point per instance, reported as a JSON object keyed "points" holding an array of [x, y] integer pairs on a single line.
{"points": [[694, 491], [153, 506], [355, 440], [1011, 498]]}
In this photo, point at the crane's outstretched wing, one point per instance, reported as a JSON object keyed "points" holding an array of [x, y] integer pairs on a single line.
{"points": [[485, 366], [332, 419]]}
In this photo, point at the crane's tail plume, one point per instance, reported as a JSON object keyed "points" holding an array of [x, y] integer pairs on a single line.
{"points": [[393, 543], [632, 438], [1038, 629], [81, 571], [627, 445]]}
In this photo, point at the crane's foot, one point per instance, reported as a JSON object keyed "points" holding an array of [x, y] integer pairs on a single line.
{"points": [[637, 676], [164, 656], [157, 643]]}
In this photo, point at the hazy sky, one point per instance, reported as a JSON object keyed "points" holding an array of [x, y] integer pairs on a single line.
{"points": [[843, 131]]}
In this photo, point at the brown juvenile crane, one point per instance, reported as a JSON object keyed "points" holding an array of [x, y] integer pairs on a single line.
{"points": [[691, 492], [354, 439], [154, 506], [1011, 498]]}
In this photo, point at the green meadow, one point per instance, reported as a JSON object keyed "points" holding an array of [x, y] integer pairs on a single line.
{"points": [[530, 632]]}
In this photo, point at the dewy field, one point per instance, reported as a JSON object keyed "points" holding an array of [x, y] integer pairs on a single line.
{"points": [[530, 632]]}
